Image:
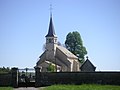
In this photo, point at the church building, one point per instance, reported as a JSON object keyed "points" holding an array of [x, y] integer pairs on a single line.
{"points": [[58, 56], [87, 66]]}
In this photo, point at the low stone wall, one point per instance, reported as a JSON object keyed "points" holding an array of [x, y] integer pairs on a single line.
{"points": [[9, 79], [50, 78], [5, 79], [47, 78]]}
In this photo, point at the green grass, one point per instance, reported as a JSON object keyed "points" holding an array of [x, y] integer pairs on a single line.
{"points": [[6, 88], [82, 87]]}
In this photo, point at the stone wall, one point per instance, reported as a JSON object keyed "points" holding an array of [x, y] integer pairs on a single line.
{"points": [[48, 78], [9, 79], [5, 79]]}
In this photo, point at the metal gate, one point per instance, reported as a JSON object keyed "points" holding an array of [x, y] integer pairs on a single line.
{"points": [[26, 77]]}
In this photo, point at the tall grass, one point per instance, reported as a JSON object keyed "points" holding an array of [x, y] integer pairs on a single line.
{"points": [[6, 88], [82, 87]]}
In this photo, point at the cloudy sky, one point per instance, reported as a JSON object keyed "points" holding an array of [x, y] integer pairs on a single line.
{"points": [[24, 24]]}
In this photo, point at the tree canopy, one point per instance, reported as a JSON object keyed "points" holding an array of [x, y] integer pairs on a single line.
{"points": [[4, 70], [74, 44]]}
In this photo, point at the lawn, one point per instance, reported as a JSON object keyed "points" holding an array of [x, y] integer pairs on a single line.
{"points": [[82, 87], [6, 88]]}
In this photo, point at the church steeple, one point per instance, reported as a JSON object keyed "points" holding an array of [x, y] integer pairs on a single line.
{"points": [[51, 31], [51, 41]]}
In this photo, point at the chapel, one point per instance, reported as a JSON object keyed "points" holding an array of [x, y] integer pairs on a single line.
{"points": [[58, 56], [87, 66]]}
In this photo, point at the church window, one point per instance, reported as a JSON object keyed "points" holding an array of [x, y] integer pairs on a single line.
{"points": [[47, 40], [50, 40], [55, 40]]}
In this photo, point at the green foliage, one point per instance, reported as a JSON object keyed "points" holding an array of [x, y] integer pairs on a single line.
{"points": [[6, 88], [74, 44], [51, 68], [82, 87], [4, 70]]}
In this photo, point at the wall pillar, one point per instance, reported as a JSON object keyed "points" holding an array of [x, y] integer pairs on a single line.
{"points": [[15, 77], [37, 76]]}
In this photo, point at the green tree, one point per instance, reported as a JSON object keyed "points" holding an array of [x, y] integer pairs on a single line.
{"points": [[4, 70], [51, 68], [74, 44]]}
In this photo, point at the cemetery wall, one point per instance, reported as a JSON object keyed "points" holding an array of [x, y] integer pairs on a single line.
{"points": [[48, 78], [5, 79]]}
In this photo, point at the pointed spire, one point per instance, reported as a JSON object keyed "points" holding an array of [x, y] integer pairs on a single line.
{"points": [[51, 31]]}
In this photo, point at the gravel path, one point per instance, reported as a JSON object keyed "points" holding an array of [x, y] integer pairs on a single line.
{"points": [[28, 88]]}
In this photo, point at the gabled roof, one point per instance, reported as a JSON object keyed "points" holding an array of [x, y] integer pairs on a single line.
{"points": [[41, 58], [86, 62], [66, 52], [51, 31]]}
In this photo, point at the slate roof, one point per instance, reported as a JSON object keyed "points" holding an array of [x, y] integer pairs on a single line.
{"points": [[87, 62], [67, 52], [51, 31]]}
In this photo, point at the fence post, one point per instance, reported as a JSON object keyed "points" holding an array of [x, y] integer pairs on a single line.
{"points": [[15, 77], [37, 76]]}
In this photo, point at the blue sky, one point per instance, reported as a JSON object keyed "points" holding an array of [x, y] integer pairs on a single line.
{"points": [[24, 24]]}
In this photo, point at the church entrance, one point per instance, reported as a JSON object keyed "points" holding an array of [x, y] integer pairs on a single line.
{"points": [[26, 77]]}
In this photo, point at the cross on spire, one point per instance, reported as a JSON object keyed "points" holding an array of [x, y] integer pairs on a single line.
{"points": [[51, 10], [87, 57]]}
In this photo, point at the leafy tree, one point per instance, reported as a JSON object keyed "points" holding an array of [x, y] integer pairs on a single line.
{"points": [[4, 70], [51, 68], [74, 44]]}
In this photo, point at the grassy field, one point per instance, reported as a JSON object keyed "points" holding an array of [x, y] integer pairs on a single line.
{"points": [[82, 87], [6, 88]]}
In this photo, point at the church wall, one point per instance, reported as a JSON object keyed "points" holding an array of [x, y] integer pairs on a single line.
{"points": [[61, 64], [50, 52], [75, 66], [72, 62], [44, 64], [51, 44], [63, 57], [64, 67]]}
